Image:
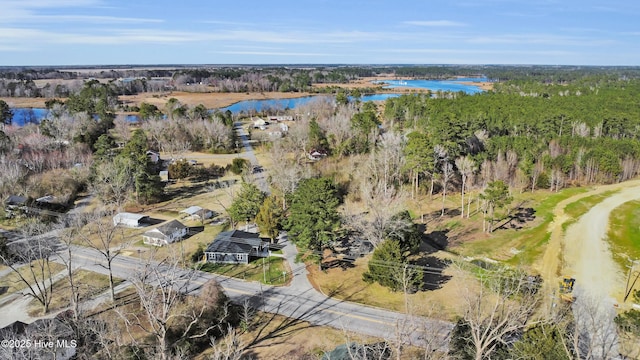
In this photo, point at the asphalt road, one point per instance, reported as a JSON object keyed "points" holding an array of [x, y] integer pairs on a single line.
{"points": [[306, 305]]}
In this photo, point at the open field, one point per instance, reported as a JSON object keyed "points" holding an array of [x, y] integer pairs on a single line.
{"points": [[89, 285], [624, 233], [12, 280]]}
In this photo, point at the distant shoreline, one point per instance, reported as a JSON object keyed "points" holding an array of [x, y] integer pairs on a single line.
{"points": [[214, 100]]}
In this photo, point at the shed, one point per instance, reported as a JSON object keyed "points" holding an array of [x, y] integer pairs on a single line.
{"points": [[129, 219], [197, 213]]}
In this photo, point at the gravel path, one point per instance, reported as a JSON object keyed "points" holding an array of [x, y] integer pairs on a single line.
{"points": [[587, 256]]}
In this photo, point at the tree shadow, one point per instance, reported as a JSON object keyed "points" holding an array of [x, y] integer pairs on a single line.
{"points": [[518, 218], [433, 276], [435, 241]]}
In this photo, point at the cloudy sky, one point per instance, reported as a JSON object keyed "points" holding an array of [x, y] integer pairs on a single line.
{"points": [[91, 32]]}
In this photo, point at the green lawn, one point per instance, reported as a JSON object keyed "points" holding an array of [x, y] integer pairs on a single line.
{"points": [[271, 271], [624, 232], [576, 209], [524, 246]]}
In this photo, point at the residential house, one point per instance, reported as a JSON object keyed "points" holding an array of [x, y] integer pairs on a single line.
{"points": [[197, 213], [316, 155], [259, 123], [276, 118], [153, 156], [130, 220], [165, 234], [236, 247], [16, 203]]}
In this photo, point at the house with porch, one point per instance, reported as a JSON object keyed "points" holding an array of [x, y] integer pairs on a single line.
{"points": [[236, 247], [165, 234]]}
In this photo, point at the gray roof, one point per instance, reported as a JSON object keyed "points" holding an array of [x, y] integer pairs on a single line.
{"points": [[16, 200], [191, 210], [129, 216], [170, 227], [235, 242]]}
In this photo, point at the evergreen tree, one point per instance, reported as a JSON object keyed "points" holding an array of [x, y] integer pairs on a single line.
{"points": [[389, 268], [246, 205], [269, 217], [313, 216], [6, 115]]}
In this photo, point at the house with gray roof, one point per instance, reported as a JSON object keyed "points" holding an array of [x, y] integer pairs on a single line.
{"points": [[236, 247], [165, 234]]}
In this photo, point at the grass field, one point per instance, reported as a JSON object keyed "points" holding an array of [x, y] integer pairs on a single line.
{"points": [[580, 207], [31, 274], [89, 284], [521, 246], [267, 272], [624, 233]]}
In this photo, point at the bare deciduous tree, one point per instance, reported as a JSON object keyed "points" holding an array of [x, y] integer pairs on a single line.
{"points": [[466, 167], [168, 313], [495, 310], [102, 235], [31, 262]]}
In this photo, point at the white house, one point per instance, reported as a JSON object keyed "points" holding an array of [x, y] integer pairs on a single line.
{"points": [[165, 234], [129, 219], [259, 123]]}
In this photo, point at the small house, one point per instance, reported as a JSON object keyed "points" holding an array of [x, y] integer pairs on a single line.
{"points": [[197, 213], [165, 234], [153, 156], [236, 247], [316, 155], [259, 123], [129, 219], [16, 204]]}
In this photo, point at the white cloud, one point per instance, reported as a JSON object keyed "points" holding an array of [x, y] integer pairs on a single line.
{"points": [[271, 53], [435, 23]]}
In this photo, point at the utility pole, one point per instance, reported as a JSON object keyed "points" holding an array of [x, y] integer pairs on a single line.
{"points": [[629, 287]]}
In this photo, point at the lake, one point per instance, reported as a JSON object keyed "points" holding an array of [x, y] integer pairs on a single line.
{"points": [[23, 116], [437, 85]]}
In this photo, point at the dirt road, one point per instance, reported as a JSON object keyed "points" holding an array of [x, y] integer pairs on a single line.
{"points": [[582, 252]]}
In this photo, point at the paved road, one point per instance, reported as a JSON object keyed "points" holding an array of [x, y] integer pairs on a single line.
{"points": [[292, 301], [249, 154]]}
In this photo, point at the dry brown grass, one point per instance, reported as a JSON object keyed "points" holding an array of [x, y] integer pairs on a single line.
{"points": [[209, 100], [443, 303], [90, 285], [13, 282]]}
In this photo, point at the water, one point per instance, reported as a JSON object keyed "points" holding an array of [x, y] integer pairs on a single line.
{"points": [[22, 116], [437, 85]]}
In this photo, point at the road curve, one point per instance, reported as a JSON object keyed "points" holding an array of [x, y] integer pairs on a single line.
{"points": [[306, 305]]}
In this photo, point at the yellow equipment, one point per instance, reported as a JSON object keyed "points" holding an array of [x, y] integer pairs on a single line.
{"points": [[566, 289]]}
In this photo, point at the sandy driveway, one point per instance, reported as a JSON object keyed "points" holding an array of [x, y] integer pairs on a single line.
{"points": [[586, 254]]}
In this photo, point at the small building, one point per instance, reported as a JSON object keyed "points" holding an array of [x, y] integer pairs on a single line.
{"points": [[153, 156], [277, 118], [316, 155], [15, 202], [16, 205], [197, 213], [165, 234], [164, 175], [284, 127], [236, 247], [259, 123], [129, 219]]}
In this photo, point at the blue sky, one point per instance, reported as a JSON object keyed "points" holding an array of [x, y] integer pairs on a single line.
{"points": [[77, 32]]}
